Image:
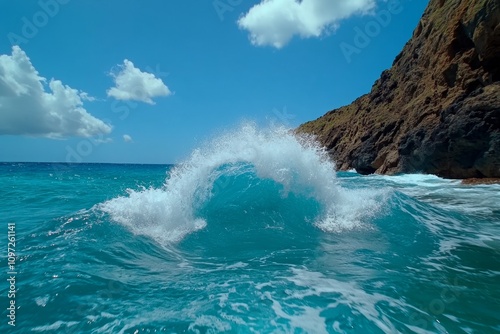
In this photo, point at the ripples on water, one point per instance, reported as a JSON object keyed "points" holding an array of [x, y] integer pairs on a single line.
{"points": [[252, 233]]}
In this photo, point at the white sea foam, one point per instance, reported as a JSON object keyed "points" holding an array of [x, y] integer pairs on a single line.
{"points": [[446, 193], [298, 163], [42, 301], [478, 204], [56, 326], [311, 319]]}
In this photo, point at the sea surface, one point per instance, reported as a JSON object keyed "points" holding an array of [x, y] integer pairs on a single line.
{"points": [[254, 232]]}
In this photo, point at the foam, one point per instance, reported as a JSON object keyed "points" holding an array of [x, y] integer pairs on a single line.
{"points": [[296, 162]]}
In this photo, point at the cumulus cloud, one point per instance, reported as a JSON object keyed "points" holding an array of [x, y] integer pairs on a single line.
{"points": [[30, 106], [275, 22], [127, 138], [133, 84]]}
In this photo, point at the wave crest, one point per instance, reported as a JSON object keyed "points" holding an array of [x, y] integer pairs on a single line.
{"points": [[296, 164]]}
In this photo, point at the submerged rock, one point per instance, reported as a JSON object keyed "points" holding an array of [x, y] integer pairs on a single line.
{"points": [[437, 110]]}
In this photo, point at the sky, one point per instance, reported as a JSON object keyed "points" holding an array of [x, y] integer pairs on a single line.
{"points": [[128, 81]]}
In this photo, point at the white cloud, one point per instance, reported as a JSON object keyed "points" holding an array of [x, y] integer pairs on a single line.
{"points": [[86, 97], [275, 22], [26, 108], [133, 84], [127, 139], [102, 140]]}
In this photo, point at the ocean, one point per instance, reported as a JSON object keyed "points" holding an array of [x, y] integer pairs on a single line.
{"points": [[254, 232]]}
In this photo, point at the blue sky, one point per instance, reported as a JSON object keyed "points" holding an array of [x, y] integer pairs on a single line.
{"points": [[148, 81]]}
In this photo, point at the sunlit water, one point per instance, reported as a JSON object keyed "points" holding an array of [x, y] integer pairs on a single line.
{"points": [[255, 232]]}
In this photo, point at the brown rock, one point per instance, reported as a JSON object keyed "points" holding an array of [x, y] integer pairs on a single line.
{"points": [[480, 181], [437, 110]]}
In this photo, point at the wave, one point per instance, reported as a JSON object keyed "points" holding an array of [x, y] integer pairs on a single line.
{"points": [[272, 175]]}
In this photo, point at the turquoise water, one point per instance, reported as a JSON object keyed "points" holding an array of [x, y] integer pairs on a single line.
{"points": [[253, 233]]}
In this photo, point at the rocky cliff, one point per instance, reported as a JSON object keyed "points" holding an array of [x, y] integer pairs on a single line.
{"points": [[437, 110]]}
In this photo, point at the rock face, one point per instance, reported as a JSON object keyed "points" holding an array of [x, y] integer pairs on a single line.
{"points": [[437, 110]]}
